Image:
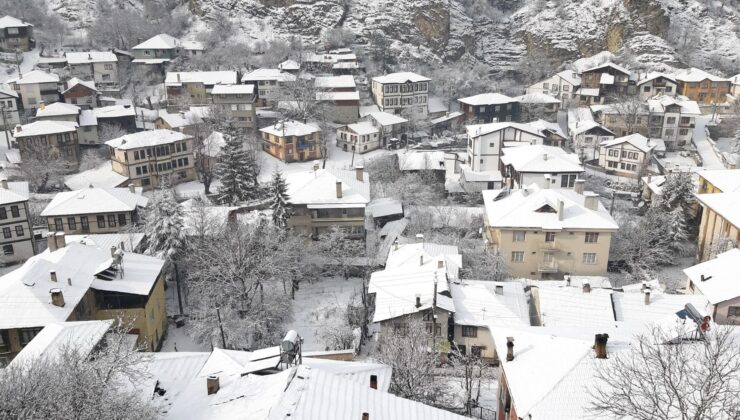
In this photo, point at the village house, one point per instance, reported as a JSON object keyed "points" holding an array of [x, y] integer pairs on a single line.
{"points": [[156, 51], [100, 67], [538, 106], [81, 93], [192, 48], [716, 279], [657, 84], [87, 123], [182, 121], [289, 66], [237, 101], [360, 137], [94, 210], [399, 93], [340, 96], [193, 88], [340, 61], [735, 89], [148, 158], [485, 142], [118, 116], [628, 155], [562, 86], [718, 181], [16, 34], [605, 83], [79, 281], [48, 140], [36, 87], [15, 220], [391, 127], [489, 107], [549, 233], [703, 87], [554, 135], [270, 84], [546, 166], [586, 136], [323, 199], [720, 223], [9, 108], [292, 141]]}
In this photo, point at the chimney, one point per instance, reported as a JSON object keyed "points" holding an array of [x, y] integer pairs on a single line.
{"points": [[132, 188], [51, 242], [591, 200], [42, 105], [586, 286], [178, 77], [499, 290], [365, 416], [420, 238], [509, 349], [440, 264], [600, 345], [421, 259], [57, 297], [53, 276], [418, 301], [69, 281], [89, 56], [544, 156], [646, 292], [4, 183], [547, 181], [60, 240], [339, 189], [18, 128], [561, 210], [578, 188], [359, 173], [212, 384], [395, 245], [374, 381], [113, 250]]}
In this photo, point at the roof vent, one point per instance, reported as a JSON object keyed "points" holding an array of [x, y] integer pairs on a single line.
{"points": [[57, 297], [212, 384]]}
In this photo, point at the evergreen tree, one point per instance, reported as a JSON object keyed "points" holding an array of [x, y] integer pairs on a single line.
{"points": [[279, 205], [677, 191], [237, 170], [164, 226]]}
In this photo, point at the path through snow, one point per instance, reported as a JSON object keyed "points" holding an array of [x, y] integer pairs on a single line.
{"points": [[709, 158]]}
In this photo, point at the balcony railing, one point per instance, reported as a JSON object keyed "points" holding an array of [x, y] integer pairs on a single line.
{"points": [[548, 266], [549, 246]]}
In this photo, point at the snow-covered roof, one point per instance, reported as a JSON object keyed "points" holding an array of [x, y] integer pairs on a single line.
{"points": [[482, 303], [268, 74], [536, 98], [57, 109], [694, 75], [338, 96], [480, 176], [363, 127], [130, 240], [37, 76], [659, 103], [190, 45], [289, 128], [541, 159], [42, 128], [401, 77], [7, 91], [289, 65], [175, 78], [90, 57], [487, 99], [75, 81], [653, 76], [425, 255], [146, 139], [545, 126], [15, 193], [436, 105], [381, 207], [727, 180], [637, 140], [102, 176], [150, 60], [606, 79], [716, 279], [385, 119], [11, 22], [140, 273], [88, 118], [446, 117], [180, 119], [231, 89], [421, 160], [158, 42], [55, 338], [477, 130], [536, 207], [654, 183], [114, 111], [334, 82], [588, 91], [584, 126], [610, 65], [317, 189], [396, 291], [366, 110], [570, 76], [94, 200]]}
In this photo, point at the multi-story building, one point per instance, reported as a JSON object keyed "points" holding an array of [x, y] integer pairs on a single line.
{"points": [[48, 140], [81, 281], [340, 97], [87, 123], [36, 87], [81, 93], [562, 85], [9, 110], [100, 67], [270, 84], [610, 80], [549, 233], [323, 199], [489, 107], [657, 84], [720, 223], [237, 101], [703, 87], [292, 141], [718, 181], [360, 137], [17, 240], [628, 155], [157, 50], [194, 88], [16, 34], [147, 158], [183, 121], [716, 279], [546, 166], [94, 210], [586, 134], [390, 127], [485, 142], [401, 92], [535, 106]]}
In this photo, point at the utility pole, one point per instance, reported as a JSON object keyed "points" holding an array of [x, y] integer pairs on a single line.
{"points": [[179, 289], [221, 327]]}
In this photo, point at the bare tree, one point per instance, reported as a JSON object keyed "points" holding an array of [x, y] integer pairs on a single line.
{"points": [[664, 377], [473, 372], [629, 111], [92, 158], [43, 168], [339, 250]]}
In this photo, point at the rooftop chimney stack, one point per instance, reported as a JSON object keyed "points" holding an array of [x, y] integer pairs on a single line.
{"points": [[561, 210], [178, 77], [359, 170], [316, 165], [544, 156], [578, 186], [51, 241], [509, 349], [365, 416], [600, 345], [18, 128], [547, 181], [420, 238], [395, 245], [57, 297], [212, 384], [60, 240], [69, 281], [440, 264], [53, 276], [132, 188], [591, 200], [374, 381], [339, 189], [646, 292], [586, 286], [418, 301], [421, 259], [4, 183]]}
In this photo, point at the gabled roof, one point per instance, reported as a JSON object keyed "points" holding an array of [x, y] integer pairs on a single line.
{"points": [[268, 74], [94, 200], [363, 127], [338, 96], [716, 279], [57, 109], [637, 140], [385, 119], [36, 76], [317, 189], [584, 126], [519, 208], [334, 82], [487, 99], [541, 159], [546, 127], [610, 65], [16, 193], [146, 139], [5, 90], [659, 103], [425, 255], [230, 89], [727, 180], [130, 240], [158, 42], [101, 177], [41, 128], [401, 77], [652, 76], [482, 303], [726, 204], [289, 65], [205, 77], [75, 81], [11, 22], [180, 119], [570, 76], [190, 45], [90, 57], [478, 130], [536, 98], [396, 291], [114, 111], [694, 75], [289, 128]]}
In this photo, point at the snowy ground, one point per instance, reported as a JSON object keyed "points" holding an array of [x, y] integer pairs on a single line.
{"points": [[177, 338], [8, 71], [709, 158], [321, 304]]}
